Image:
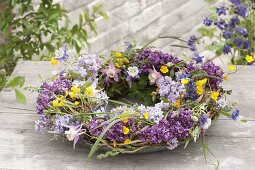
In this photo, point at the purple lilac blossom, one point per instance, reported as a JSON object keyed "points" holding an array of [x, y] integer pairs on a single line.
{"points": [[57, 87], [170, 89], [153, 58], [192, 43], [168, 129], [213, 70]]}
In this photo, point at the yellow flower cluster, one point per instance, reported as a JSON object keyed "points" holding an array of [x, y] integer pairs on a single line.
{"points": [[89, 91], [60, 101], [120, 61], [74, 91], [199, 85], [177, 103]]}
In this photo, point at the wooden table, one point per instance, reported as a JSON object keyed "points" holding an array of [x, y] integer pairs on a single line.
{"points": [[22, 148]]}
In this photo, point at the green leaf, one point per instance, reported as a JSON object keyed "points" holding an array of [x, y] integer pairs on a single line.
{"points": [[100, 137], [20, 98], [17, 81]]}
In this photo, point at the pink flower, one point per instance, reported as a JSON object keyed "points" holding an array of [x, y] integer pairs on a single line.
{"points": [[111, 73], [154, 76]]}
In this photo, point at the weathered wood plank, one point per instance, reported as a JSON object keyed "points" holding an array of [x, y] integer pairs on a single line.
{"points": [[22, 148]]}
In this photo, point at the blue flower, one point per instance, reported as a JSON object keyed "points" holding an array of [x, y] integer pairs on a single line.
{"points": [[238, 42], [242, 10], [221, 24], [208, 21], [227, 34], [236, 2], [191, 42], [234, 21], [235, 115], [242, 31], [204, 121], [198, 58], [221, 11], [226, 49], [246, 44]]}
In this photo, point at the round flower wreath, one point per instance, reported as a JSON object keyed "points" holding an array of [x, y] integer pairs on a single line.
{"points": [[96, 101]]}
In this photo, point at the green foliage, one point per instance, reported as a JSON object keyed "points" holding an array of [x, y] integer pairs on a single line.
{"points": [[141, 90], [20, 97], [208, 32], [113, 152], [29, 30]]}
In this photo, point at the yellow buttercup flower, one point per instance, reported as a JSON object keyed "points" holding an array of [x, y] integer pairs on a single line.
{"points": [[185, 81], [146, 115], [118, 54], [249, 58], [177, 103], [58, 101], [53, 61], [127, 141], [76, 103], [231, 68], [125, 130], [125, 60], [164, 69], [89, 91], [117, 65], [75, 89], [200, 84], [72, 95], [225, 77], [114, 144], [215, 95]]}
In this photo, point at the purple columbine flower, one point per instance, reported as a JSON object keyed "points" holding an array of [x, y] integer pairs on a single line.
{"points": [[235, 115], [236, 2], [204, 121], [221, 24], [62, 55], [111, 73], [208, 22]]}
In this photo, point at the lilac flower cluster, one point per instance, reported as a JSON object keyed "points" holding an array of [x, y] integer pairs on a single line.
{"points": [[153, 58], [170, 89], [115, 133], [213, 70], [168, 129], [57, 87]]}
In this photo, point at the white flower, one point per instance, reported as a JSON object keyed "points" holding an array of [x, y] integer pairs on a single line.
{"points": [[73, 132], [172, 144], [133, 71], [222, 103], [207, 123]]}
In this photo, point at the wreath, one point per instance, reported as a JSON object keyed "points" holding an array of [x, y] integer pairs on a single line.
{"points": [[135, 100]]}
